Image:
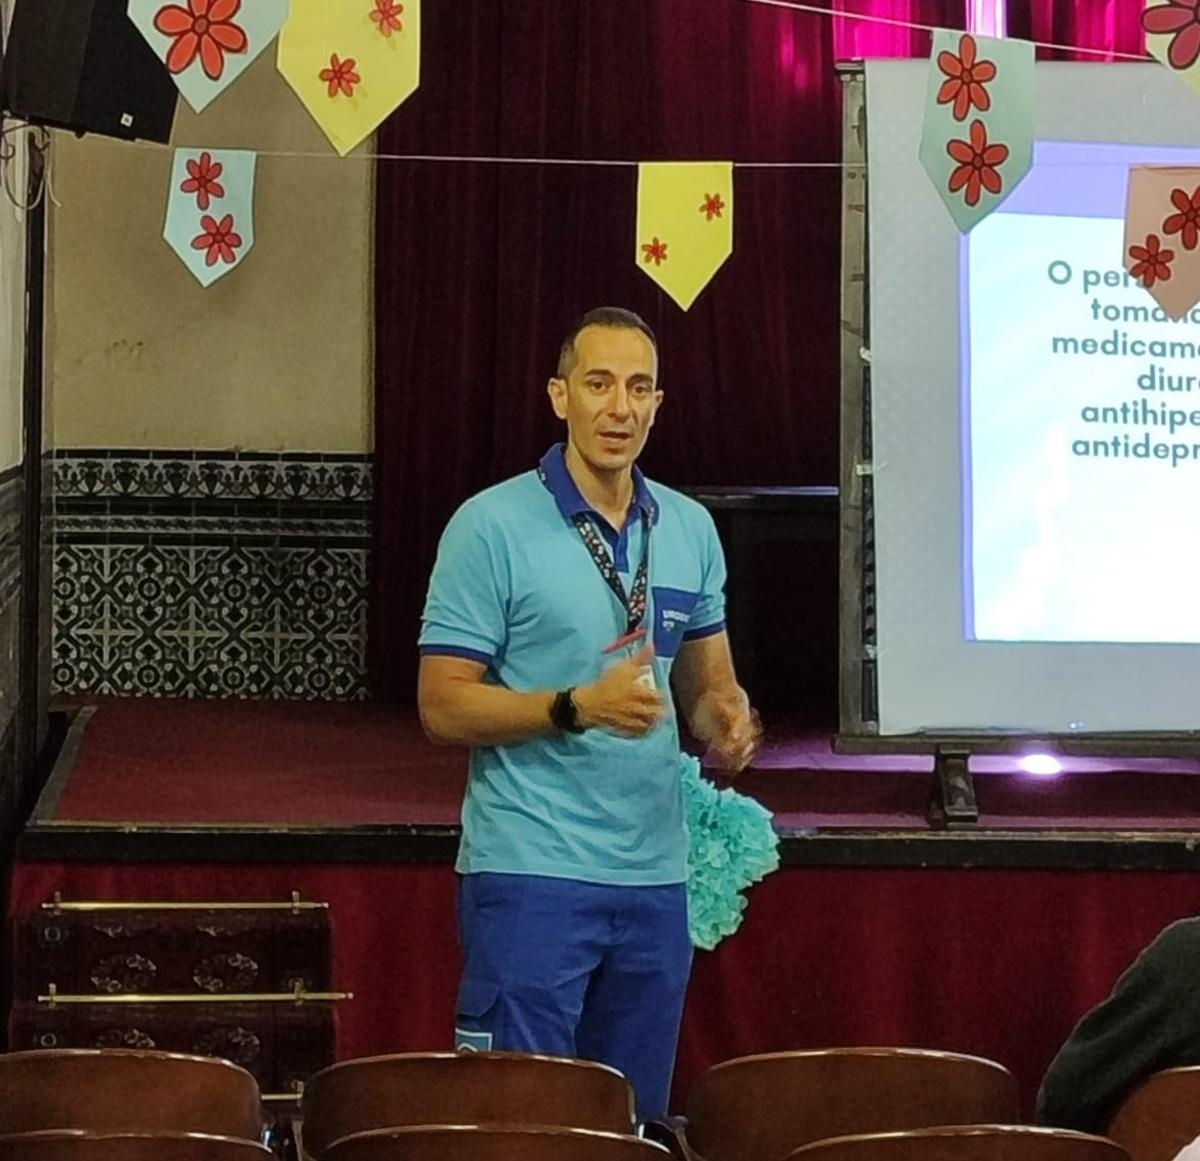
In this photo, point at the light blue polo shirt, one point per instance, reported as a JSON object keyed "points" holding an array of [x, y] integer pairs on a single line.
{"points": [[515, 588]]}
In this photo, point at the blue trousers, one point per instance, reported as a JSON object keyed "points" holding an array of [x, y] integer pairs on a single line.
{"points": [[576, 969]]}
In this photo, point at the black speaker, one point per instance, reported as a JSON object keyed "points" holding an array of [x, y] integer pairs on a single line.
{"points": [[82, 65]]}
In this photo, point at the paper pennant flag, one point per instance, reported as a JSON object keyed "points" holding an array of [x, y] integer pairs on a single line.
{"points": [[1173, 37], [207, 44], [210, 210], [1162, 235], [351, 62], [684, 224], [977, 138]]}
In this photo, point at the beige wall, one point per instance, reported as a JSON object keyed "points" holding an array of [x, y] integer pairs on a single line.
{"points": [[12, 306], [275, 355]]}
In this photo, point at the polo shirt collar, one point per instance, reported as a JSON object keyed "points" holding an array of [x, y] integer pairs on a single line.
{"points": [[570, 501]]}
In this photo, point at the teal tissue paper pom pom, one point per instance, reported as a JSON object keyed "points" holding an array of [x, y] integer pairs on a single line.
{"points": [[732, 845]]}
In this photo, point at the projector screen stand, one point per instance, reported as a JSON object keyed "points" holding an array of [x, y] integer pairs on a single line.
{"points": [[952, 804]]}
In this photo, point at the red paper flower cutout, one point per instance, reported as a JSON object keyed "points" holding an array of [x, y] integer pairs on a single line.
{"points": [[655, 251], [386, 14], [1180, 20], [713, 205], [977, 162], [204, 28], [1186, 223], [340, 76], [219, 239], [1152, 262], [202, 179], [966, 78]]}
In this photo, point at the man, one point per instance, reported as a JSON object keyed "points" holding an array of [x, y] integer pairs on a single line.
{"points": [[1150, 1022], [564, 606]]}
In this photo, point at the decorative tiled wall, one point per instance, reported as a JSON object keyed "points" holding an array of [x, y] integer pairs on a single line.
{"points": [[11, 492], [211, 574]]}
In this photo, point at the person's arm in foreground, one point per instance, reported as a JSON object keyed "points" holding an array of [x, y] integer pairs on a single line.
{"points": [[458, 707], [465, 628], [715, 707], [1148, 1023]]}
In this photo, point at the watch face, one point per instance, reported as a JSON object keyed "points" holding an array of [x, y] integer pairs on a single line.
{"points": [[561, 711], [564, 714]]}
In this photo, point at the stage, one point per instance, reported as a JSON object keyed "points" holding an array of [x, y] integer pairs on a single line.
{"points": [[876, 930]]}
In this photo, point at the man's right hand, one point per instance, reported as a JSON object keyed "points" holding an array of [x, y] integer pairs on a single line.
{"points": [[621, 701]]}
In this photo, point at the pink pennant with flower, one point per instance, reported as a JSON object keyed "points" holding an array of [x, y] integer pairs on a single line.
{"points": [[1172, 30], [1162, 235]]}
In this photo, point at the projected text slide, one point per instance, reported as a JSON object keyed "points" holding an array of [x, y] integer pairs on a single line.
{"points": [[1083, 441]]}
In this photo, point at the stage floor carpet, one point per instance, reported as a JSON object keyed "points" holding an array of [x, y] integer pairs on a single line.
{"points": [[346, 771]]}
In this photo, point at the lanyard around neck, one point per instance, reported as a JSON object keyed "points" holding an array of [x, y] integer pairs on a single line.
{"points": [[633, 602]]}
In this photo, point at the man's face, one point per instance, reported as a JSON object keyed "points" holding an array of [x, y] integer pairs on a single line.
{"points": [[609, 399]]}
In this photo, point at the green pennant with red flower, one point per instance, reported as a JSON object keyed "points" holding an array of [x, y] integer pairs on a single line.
{"points": [[210, 210], [977, 136], [207, 44]]}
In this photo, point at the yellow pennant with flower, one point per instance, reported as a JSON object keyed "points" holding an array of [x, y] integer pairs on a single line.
{"points": [[684, 224], [351, 62]]}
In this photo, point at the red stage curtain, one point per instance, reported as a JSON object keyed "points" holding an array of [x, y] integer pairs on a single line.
{"points": [[1112, 25], [479, 267], [862, 39], [995, 962]]}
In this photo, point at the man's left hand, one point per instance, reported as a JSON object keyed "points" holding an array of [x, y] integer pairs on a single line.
{"points": [[731, 728]]}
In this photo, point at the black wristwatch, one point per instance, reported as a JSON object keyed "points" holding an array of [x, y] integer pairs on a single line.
{"points": [[564, 713]]}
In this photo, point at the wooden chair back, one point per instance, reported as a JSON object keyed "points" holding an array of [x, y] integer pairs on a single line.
{"points": [[766, 1106], [1160, 1116], [466, 1088], [966, 1143], [126, 1091], [493, 1143], [78, 1145]]}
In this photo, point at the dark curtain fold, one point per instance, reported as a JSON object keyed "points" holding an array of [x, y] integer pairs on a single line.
{"points": [[1111, 25], [480, 267]]}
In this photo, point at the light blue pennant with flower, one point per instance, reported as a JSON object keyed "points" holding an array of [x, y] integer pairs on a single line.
{"points": [[210, 210], [207, 44], [977, 136]]}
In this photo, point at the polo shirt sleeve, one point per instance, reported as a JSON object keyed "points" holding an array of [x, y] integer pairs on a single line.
{"points": [[465, 608], [708, 617]]}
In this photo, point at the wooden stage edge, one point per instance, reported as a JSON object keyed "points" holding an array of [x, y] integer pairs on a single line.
{"points": [[1024, 849]]}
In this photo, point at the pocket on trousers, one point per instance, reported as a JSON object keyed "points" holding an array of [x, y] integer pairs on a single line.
{"points": [[476, 1002], [476, 998]]}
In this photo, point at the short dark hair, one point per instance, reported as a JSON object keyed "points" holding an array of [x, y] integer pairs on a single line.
{"points": [[601, 316]]}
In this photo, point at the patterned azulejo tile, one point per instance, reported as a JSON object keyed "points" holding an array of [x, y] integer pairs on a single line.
{"points": [[224, 592]]}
